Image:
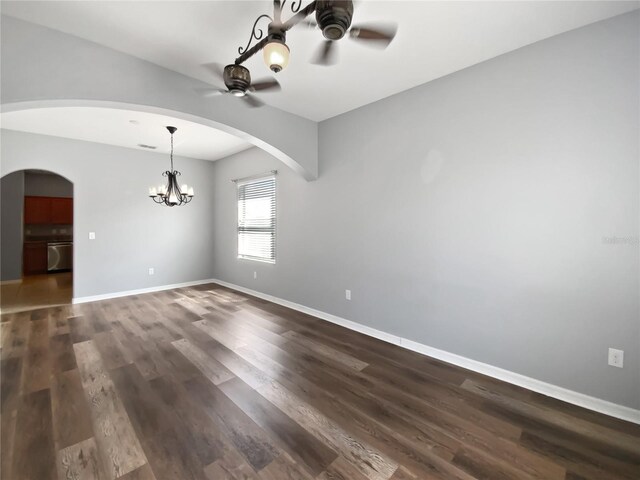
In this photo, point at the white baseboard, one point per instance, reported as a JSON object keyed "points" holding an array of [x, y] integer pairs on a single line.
{"points": [[126, 293], [569, 396], [9, 282]]}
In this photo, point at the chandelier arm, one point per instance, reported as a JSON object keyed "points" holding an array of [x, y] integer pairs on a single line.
{"points": [[176, 188], [173, 188], [256, 33]]}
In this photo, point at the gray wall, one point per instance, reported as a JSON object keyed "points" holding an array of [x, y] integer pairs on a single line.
{"points": [[46, 185], [11, 206], [470, 213], [110, 198]]}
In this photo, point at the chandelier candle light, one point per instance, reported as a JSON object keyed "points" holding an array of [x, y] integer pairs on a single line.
{"points": [[171, 194]]}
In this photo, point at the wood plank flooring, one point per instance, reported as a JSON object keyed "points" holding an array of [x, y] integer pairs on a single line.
{"points": [[36, 291], [206, 383]]}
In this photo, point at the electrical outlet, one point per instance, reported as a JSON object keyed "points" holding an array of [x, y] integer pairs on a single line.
{"points": [[92, 235], [152, 271], [347, 294], [616, 357], [255, 275]]}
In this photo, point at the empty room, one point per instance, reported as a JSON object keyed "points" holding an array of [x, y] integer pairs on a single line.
{"points": [[320, 240]]}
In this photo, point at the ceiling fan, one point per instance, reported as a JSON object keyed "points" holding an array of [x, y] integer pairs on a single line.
{"points": [[334, 19], [237, 80]]}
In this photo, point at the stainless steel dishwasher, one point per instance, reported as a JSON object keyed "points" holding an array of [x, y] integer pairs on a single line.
{"points": [[59, 256]]}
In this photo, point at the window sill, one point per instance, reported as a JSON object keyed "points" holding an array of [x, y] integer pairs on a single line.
{"points": [[253, 259]]}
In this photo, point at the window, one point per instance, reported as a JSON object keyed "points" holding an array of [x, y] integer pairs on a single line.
{"points": [[257, 219]]}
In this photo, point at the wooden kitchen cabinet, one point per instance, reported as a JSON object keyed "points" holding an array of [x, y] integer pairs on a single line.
{"points": [[48, 210], [62, 211], [34, 257], [37, 210]]}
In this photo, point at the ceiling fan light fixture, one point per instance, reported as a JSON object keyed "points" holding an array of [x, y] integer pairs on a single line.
{"points": [[333, 18], [333, 32], [276, 55]]}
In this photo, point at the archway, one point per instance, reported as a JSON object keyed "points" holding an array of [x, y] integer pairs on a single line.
{"points": [[295, 165], [36, 218]]}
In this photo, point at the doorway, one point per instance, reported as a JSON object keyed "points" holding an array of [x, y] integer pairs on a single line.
{"points": [[36, 225]]}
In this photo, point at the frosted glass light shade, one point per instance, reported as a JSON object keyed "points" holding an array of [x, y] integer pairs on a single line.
{"points": [[276, 55]]}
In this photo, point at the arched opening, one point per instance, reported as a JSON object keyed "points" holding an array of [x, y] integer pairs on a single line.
{"points": [[305, 165], [36, 224]]}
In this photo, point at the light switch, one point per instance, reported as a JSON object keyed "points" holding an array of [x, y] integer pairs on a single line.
{"points": [[92, 235]]}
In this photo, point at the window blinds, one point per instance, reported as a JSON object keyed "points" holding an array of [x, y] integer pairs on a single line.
{"points": [[257, 219]]}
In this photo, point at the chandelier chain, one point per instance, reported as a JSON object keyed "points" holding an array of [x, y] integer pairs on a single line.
{"points": [[172, 152]]}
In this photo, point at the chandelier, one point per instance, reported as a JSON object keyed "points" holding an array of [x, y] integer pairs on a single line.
{"points": [[171, 194]]}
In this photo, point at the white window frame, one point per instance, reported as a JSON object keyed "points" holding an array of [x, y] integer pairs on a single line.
{"points": [[249, 180]]}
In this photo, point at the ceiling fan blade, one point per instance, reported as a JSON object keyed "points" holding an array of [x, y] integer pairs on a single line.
{"points": [[211, 92], [308, 23], [375, 35], [214, 68], [252, 101], [265, 84], [327, 54]]}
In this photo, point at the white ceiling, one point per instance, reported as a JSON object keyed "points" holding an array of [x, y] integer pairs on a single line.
{"points": [[434, 39], [126, 129]]}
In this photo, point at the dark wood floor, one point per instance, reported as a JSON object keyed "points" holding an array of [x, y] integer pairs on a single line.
{"points": [[205, 383]]}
